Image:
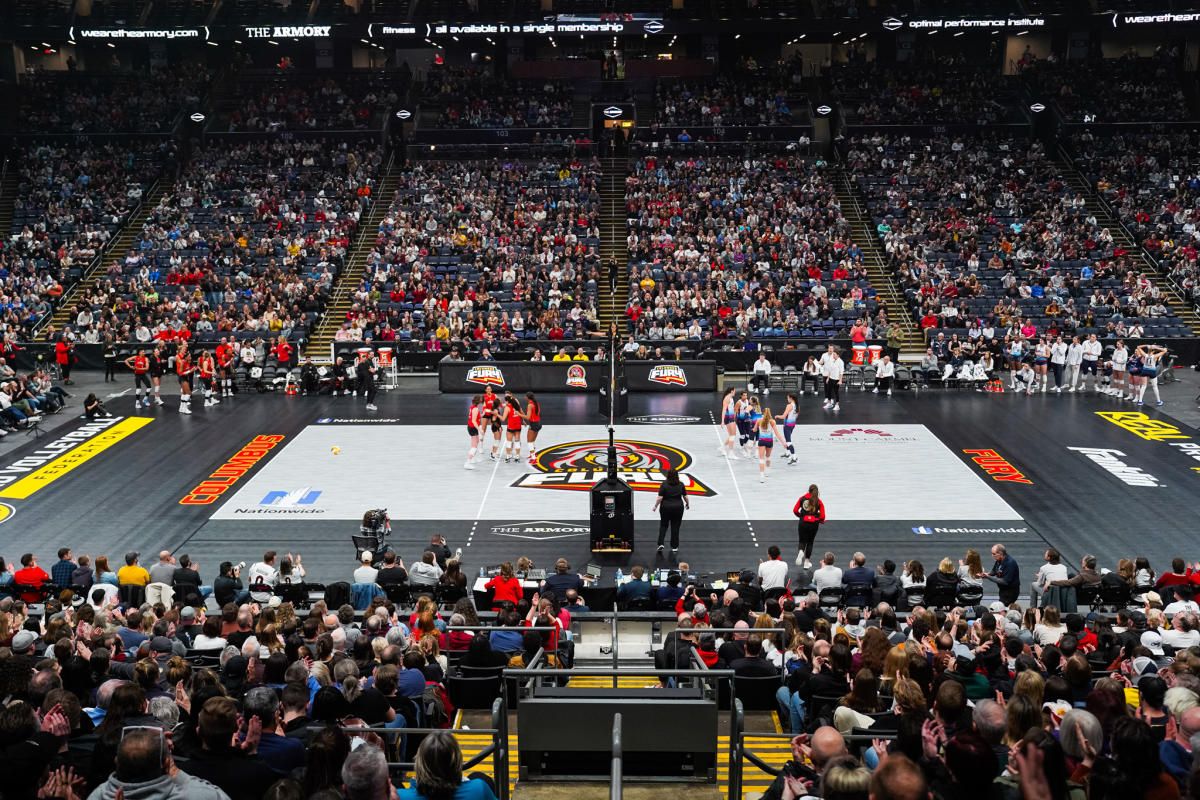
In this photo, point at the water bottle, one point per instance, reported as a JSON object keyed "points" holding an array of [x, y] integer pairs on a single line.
{"points": [[620, 576], [482, 572]]}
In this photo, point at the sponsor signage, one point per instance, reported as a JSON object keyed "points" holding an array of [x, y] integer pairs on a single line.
{"points": [[135, 34], [1167, 18], [577, 466], [860, 435], [997, 466], [29, 475], [540, 530], [286, 502], [1189, 449], [576, 377], [824, 110], [485, 375], [209, 490], [1037, 108], [1110, 461], [612, 112], [668, 375], [6, 512], [357, 421], [1143, 426], [662, 419], [928, 530], [287, 31], [197, 117], [960, 23], [403, 114]]}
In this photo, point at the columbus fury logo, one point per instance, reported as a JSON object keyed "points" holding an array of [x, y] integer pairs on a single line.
{"points": [[575, 466]]}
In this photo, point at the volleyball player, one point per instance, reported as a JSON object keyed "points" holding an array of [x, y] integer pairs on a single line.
{"points": [[789, 425], [729, 421], [225, 368], [488, 415], [1041, 361], [533, 416], [473, 423], [206, 369], [767, 431], [742, 414], [1120, 357], [514, 418], [141, 379], [158, 368], [1151, 356], [183, 371], [756, 414]]}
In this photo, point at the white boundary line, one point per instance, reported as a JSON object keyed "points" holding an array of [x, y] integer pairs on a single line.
{"points": [[483, 502], [733, 475]]}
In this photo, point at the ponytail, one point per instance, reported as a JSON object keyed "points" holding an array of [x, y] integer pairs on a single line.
{"points": [[350, 688]]}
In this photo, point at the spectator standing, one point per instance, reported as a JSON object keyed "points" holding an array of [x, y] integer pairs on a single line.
{"points": [[810, 510]]}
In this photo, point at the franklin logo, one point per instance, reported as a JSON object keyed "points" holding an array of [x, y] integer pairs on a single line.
{"points": [[653, 26], [1110, 461], [403, 114], [485, 375], [1037, 108], [668, 374], [892, 24], [577, 377], [576, 466], [612, 112]]}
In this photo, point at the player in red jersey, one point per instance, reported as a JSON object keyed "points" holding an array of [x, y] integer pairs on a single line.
{"points": [[225, 368], [206, 368], [533, 415], [491, 417], [474, 420], [183, 371], [141, 377], [513, 420]]}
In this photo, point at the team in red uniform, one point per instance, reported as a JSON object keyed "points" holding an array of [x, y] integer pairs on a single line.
{"points": [[184, 370], [225, 368], [140, 365], [533, 415], [491, 417], [513, 420], [206, 368], [474, 420]]}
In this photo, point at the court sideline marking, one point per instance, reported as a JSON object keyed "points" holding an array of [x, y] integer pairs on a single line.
{"points": [[483, 502], [724, 457]]}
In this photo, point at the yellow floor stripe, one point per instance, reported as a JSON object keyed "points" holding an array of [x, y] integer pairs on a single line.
{"points": [[91, 444]]}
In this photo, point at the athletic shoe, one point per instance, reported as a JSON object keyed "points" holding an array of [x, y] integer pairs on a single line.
{"points": [[1159, 403], [826, 405], [492, 456], [157, 401], [837, 406], [762, 479], [807, 564], [875, 390], [1070, 388], [216, 401], [674, 550], [184, 410], [766, 391], [1140, 403], [458, 553], [889, 393], [372, 407], [662, 549], [1058, 389], [468, 465]]}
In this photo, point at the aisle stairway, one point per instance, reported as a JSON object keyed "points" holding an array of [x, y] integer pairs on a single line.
{"points": [[356, 264], [8, 193], [1176, 302], [882, 279], [117, 247], [612, 240]]}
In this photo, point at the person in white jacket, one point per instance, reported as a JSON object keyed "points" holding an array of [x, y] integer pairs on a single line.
{"points": [[761, 377], [1058, 361], [1074, 360], [1091, 362], [885, 373]]}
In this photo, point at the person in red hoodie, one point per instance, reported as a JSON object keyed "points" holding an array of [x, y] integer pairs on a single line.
{"points": [[30, 574], [810, 510], [505, 586]]}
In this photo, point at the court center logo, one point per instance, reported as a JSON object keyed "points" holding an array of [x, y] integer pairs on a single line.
{"points": [[576, 377], [485, 375], [668, 375], [286, 502], [6, 512], [576, 466], [860, 436]]}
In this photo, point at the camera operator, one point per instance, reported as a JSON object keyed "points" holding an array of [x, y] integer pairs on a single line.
{"points": [[228, 587]]}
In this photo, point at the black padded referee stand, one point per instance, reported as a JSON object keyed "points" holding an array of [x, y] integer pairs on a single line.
{"points": [[612, 509]]}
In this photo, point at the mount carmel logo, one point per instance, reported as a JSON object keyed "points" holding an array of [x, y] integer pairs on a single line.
{"points": [[575, 466]]}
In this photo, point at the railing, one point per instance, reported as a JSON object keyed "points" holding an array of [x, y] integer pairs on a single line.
{"points": [[497, 750], [615, 789]]}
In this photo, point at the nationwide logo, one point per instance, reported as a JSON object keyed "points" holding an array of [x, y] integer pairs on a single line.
{"points": [[279, 502], [576, 466], [662, 419], [653, 26], [612, 112], [485, 375], [997, 466], [540, 530], [926, 530], [28, 475], [668, 374], [358, 421], [209, 490], [892, 24], [577, 377], [1110, 461], [1143, 426]]}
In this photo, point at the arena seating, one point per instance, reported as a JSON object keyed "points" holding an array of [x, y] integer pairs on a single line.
{"points": [[706, 247], [249, 241], [472, 97], [720, 101], [1126, 89], [296, 101], [947, 90], [492, 252], [1145, 179], [987, 228]]}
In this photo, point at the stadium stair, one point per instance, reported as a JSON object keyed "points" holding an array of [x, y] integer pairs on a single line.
{"points": [[117, 246], [774, 751], [356, 265], [612, 240], [1122, 238], [8, 194], [887, 290]]}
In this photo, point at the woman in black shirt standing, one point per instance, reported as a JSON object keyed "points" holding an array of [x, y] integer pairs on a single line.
{"points": [[672, 500]]}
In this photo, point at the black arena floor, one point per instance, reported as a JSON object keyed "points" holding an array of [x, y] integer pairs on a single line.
{"points": [[896, 474]]}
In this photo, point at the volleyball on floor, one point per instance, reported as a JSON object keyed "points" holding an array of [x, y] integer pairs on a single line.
{"points": [[335, 450]]}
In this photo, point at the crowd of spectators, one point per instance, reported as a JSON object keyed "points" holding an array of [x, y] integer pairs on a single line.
{"points": [[944, 90], [472, 97], [989, 241], [70, 200], [720, 101], [249, 241], [1126, 89], [484, 252], [285, 101], [139, 101], [1152, 184], [728, 246]]}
